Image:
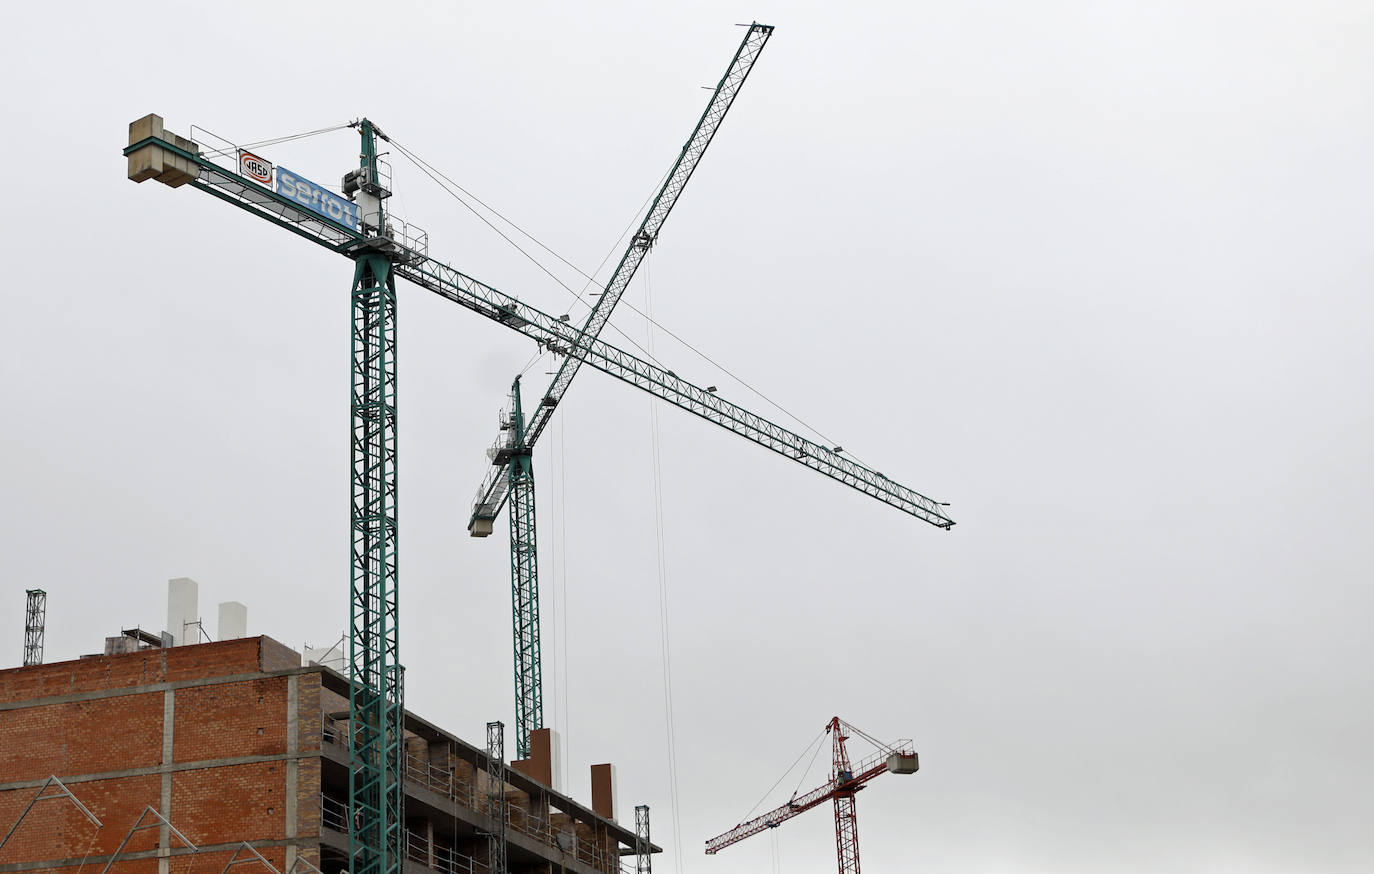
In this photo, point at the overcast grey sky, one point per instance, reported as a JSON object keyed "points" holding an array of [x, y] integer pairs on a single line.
{"points": [[1097, 274]]}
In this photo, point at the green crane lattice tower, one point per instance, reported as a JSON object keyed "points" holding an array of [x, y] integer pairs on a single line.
{"points": [[375, 747], [524, 578]]}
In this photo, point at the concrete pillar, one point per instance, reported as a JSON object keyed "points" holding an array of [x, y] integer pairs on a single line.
{"points": [[429, 844], [604, 790], [545, 759]]}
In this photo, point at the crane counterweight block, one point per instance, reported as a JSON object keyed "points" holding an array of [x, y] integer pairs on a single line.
{"points": [[902, 763], [153, 160]]}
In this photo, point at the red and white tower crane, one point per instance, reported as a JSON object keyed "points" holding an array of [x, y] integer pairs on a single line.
{"points": [[845, 781]]}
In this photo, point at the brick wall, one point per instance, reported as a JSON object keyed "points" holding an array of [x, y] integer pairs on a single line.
{"points": [[221, 769]]}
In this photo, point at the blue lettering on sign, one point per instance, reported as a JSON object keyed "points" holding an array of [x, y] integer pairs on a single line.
{"points": [[316, 198]]}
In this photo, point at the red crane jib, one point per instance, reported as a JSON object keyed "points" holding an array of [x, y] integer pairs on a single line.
{"points": [[900, 758]]}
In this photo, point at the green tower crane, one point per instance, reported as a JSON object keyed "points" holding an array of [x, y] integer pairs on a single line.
{"points": [[383, 249], [376, 677], [376, 747], [512, 474]]}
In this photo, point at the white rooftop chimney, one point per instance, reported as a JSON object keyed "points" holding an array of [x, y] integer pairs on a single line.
{"points": [[183, 611], [233, 621]]}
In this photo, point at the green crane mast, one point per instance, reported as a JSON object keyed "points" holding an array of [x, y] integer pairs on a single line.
{"points": [[512, 475], [375, 742], [524, 577], [375, 706]]}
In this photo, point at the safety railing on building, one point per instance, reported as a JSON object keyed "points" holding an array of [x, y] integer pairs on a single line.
{"points": [[444, 782], [335, 731], [446, 860], [437, 857], [333, 813]]}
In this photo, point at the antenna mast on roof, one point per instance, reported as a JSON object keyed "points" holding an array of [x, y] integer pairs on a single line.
{"points": [[34, 615]]}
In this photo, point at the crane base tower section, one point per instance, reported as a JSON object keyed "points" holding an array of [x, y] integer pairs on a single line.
{"points": [[237, 741]]}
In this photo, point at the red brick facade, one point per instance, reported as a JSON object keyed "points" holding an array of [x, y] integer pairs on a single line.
{"points": [[223, 739], [234, 742]]}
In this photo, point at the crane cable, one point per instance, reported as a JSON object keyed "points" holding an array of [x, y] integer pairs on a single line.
{"points": [[436, 175], [274, 141], [563, 555], [300, 136], [809, 765], [814, 742], [665, 645], [868, 737], [558, 618]]}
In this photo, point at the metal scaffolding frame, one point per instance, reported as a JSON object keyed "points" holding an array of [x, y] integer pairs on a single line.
{"points": [[496, 794], [644, 860], [139, 826], [35, 615], [258, 859], [62, 792]]}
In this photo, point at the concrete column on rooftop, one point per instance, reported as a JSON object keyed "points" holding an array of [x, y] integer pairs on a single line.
{"points": [[183, 596]]}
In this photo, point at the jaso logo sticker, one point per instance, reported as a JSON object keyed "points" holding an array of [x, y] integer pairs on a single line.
{"points": [[255, 168]]}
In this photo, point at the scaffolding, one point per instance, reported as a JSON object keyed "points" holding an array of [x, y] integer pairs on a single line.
{"points": [[61, 792], [160, 822], [496, 775], [644, 860]]}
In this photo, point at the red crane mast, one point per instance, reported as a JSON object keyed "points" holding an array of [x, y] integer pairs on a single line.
{"points": [[845, 781]]}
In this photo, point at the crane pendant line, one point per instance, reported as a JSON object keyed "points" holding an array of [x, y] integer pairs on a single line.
{"points": [[376, 743]]}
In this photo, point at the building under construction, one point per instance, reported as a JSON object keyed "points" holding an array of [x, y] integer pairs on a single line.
{"points": [[164, 750], [201, 756]]}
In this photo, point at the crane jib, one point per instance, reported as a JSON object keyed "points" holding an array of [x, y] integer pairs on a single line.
{"points": [[543, 328], [642, 240]]}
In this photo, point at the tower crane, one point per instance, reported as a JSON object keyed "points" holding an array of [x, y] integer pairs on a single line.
{"points": [[383, 248], [511, 476], [845, 781]]}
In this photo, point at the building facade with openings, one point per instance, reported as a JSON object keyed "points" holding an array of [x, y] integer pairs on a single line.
{"points": [[236, 742]]}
